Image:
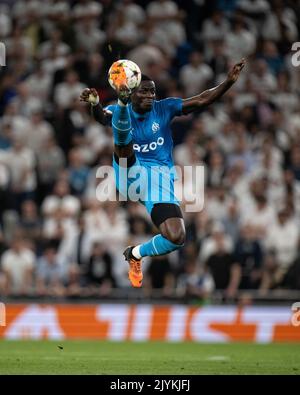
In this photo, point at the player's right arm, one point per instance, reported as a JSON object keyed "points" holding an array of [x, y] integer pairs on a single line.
{"points": [[90, 95]]}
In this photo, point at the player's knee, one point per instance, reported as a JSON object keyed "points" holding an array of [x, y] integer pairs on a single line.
{"points": [[177, 235]]}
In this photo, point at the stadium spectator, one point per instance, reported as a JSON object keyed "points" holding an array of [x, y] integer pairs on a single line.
{"points": [[78, 173], [38, 132], [215, 28], [99, 271], [68, 91], [30, 222], [160, 276], [211, 243], [248, 254], [88, 36], [54, 43], [168, 32], [195, 282], [76, 247], [240, 40], [50, 274], [20, 161], [283, 239], [291, 279], [195, 75], [18, 264], [232, 219], [50, 163], [224, 270]]}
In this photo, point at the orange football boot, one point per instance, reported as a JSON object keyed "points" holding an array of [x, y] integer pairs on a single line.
{"points": [[135, 274]]}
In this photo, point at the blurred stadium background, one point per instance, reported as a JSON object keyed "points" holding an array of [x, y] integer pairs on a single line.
{"points": [[62, 274]]}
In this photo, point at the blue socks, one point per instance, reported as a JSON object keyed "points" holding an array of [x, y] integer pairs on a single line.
{"points": [[121, 125], [158, 245]]}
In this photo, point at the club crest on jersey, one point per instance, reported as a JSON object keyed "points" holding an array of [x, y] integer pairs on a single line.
{"points": [[155, 127]]}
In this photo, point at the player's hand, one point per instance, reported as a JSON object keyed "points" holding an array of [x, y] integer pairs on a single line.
{"points": [[234, 73], [89, 95], [123, 93]]}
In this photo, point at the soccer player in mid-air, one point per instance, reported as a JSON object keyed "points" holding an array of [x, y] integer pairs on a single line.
{"points": [[142, 137]]}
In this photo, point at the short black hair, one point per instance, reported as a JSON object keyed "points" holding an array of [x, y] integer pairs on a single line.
{"points": [[146, 78]]}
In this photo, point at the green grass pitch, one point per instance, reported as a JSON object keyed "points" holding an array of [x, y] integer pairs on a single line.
{"points": [[102, 357]]}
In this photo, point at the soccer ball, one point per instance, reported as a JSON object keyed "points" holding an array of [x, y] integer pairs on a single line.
{"points": [[124, 72]]}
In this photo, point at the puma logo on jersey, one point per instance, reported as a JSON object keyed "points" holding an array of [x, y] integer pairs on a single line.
{"points": [[149, 147], [155, 127]]}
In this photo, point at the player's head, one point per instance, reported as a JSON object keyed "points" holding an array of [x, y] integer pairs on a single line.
{"points": [[142, 97]]}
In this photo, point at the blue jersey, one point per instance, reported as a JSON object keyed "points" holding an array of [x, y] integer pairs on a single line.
{"points": [[151, 133]]}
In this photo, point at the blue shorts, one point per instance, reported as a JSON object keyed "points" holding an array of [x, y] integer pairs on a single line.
{"points": [[147, 184]]}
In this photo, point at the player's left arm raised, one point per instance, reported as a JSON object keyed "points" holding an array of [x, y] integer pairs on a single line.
{"points": [[211, 95]]}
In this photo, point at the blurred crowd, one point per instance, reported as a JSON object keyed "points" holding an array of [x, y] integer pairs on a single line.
{"points": [[56, 237]]}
